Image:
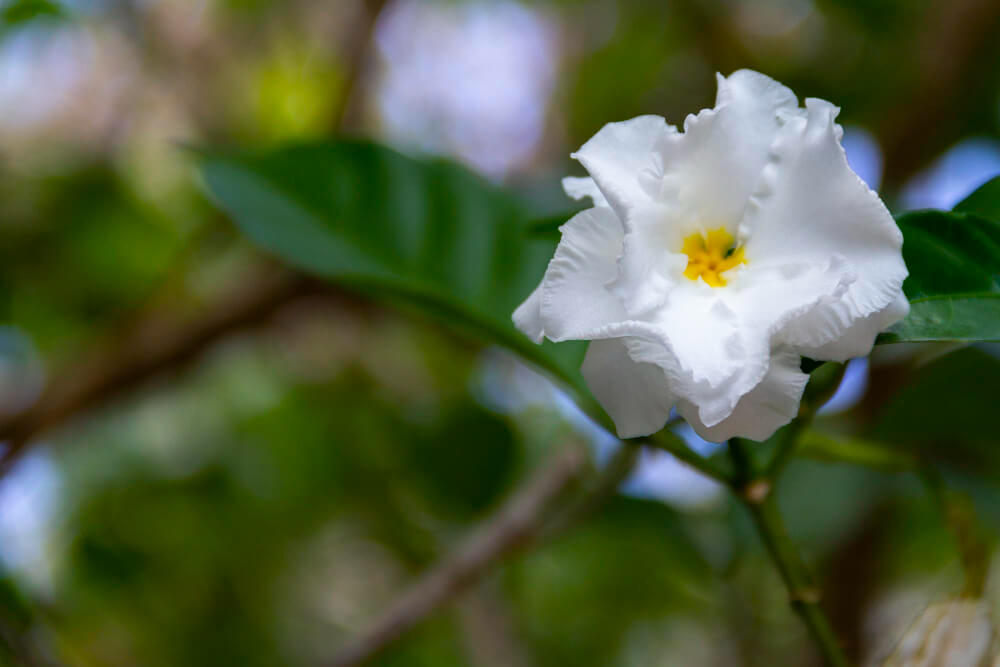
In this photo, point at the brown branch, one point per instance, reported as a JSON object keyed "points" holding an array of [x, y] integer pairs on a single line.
{"points": [[357, 62], [127, 359], [519, 522], [154, 345]]}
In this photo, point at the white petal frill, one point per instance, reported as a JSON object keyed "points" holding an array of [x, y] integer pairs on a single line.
{"points": [[581, 187], [811, 208], [771, 404], [619, 155], [637, 396], [572, 301], [575, 302], [857, 340], [528, 316], [710, 170], [699, 179]]}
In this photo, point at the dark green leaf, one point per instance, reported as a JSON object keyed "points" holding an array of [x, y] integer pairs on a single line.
{"points": [[947, 410], [954, 281], [950, 318], [548, 227], [427, 231], [22, 11], [984, 202]]}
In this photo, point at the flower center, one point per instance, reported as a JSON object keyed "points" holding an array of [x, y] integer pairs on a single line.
{"points": [[711, 254]]}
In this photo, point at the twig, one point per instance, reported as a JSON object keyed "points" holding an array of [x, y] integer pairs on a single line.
{"points": [[518, 523], [152, 346], [125, 361], [756, 494], [356, 57], [615, 471]]}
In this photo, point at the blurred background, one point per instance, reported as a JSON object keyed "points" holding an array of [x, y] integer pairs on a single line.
{"points": [[219, 463]]}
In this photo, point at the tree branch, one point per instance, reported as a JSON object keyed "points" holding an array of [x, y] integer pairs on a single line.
{"points": [[125, 360], [153, 346], [517, 524]]}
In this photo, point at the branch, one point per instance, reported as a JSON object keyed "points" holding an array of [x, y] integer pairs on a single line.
{"points": [[356, 65], [517, 524], [125, 360], [153, 346]]}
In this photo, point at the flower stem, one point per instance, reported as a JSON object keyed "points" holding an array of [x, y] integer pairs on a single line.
{"points": [[672, 443], [804, 596], [789, 441], [802, 592]]}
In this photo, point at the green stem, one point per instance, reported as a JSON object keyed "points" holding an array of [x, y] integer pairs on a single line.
{"points": [[756, 495], [803, 594], [855, 451], [670, 442], [823, 383], [789, 440]]}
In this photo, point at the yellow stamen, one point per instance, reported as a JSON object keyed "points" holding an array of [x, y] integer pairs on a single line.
{"points": [[711, 255]]}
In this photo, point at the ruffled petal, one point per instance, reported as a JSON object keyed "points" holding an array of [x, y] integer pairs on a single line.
{"points": [[710, 170], [647, 269], [708, 366], [635, 395], [703, 333], [575, 301], [770, 405], [858, 339], [580, 187], [528, 316], [618, 156], [701, 180], [811, 209]]}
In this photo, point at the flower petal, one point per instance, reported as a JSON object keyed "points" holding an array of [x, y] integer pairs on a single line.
{"points": [[647, 269], [701, 180], [635, 395], [858, 339], [617, 156], [769, 406], [810, 208], [709, 366], [579, 187], [711, 169], [575, 301], [528, 316]]}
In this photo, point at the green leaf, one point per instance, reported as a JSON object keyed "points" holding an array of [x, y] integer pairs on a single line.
{"points": [[424, 232], [947, 411], [972, 318], [548, 227], [22, 11], [984, 202], [954, 281]]}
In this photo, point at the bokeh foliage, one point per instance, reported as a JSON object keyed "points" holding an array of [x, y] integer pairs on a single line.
{"points": [[260, 503]]}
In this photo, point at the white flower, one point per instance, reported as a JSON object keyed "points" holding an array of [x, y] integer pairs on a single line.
{"points": [[715, 258]]}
